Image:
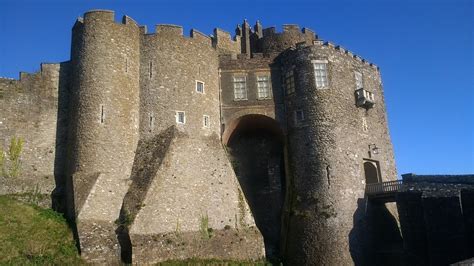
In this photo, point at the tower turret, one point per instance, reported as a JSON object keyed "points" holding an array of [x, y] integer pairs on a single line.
{"points": [[104, 135], [329, 140]]}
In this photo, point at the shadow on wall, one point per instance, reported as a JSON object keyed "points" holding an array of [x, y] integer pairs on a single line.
{"points": [[375, 238], [58, 198], [257, 158]]}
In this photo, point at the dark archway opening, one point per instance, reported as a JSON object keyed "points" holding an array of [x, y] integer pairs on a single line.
{"points": [[371, 173], [256, 147]]}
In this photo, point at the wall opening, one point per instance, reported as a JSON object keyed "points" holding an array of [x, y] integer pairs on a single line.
{"points": [[256, 149], [372, 173]]}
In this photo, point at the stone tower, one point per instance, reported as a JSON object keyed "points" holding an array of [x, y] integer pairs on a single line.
{"points": [[171, 146], [105, 104]]}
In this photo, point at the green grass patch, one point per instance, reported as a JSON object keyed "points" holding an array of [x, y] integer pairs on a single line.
{"points": [[30, 235]]}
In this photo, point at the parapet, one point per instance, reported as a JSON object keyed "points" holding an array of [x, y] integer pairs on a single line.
{"points": [[99, 14], [290, 29], [107, 16], [273, 41], [224, 43], [200, 37], [169, 30], [345, 52]]}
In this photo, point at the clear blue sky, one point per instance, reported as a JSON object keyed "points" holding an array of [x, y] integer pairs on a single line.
{"points": [[423, 47]]}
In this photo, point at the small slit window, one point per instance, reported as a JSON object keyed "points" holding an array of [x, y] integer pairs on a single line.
{"points": [[102, 114], [151, 69], [321, 73], [151, 122], [205, 121], [240, 88], [180, 117], [199, 86]]}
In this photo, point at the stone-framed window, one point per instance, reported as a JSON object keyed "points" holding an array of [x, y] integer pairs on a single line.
{"points": [[206, 121], [151, 122], [150, 69], [102, 114], [263, 87], [240, 88], [299, 116], [199, 86], [289, 82], [359, 80], [180, 117], [321, 73]]}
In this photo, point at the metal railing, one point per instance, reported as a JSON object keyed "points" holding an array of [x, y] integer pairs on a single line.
{"points": [[383, 187]]}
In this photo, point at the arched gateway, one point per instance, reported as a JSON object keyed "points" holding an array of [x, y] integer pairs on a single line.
{"points": [[256, 146]]}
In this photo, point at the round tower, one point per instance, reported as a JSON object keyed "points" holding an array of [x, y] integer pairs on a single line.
{"points": [[104, 116], [329, 137]]}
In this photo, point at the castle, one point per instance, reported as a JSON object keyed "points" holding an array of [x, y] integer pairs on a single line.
{"points": [[165, 146]]}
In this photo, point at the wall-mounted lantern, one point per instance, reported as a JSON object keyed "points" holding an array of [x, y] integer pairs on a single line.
{"points": [[373, 149]]}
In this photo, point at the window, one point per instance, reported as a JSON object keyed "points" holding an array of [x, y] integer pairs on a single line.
{"points": [[320, 73], [240, 88], [205, 121], [359, 80], [180, 117], [199, 86], [263, 87], [151, 122], [299, 116], [289, 82], [102, 114]]}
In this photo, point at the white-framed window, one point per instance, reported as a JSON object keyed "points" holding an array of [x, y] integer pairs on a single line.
{"points": [[240, 88], [289, 82], [321, 73], [199, 86], [205, 121], [263, 87], [359, 80], [299, 116], [180, 117]]}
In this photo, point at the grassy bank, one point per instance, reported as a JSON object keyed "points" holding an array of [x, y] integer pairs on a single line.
{"points": [[30, 235]]}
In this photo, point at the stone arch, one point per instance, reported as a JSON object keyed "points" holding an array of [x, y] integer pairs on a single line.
{"points": [[244, 116], [256, 147], [371, 172]]}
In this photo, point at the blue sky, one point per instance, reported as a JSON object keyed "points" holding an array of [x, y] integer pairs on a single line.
{"points": [[423, 47]]}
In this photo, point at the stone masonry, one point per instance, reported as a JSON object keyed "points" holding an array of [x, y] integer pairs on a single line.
{"points": [[141, 135]]}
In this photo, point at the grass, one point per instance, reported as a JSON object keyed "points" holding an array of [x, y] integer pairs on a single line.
{"points": [[30, 235]]}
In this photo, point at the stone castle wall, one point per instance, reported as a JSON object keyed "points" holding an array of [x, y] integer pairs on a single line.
{"points": [[29, 110], [114, 107]]}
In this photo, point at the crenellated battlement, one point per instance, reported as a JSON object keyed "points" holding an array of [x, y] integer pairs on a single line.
{"points": [[223, 42], [345, 52], [290, 29], [105, 16]]}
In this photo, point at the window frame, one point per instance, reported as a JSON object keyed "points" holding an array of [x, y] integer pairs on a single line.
{"points": [[268, 87], [359, 80], [206, 118], [299, 121], [289, 78], [321, 75], [203, 86], [244, 82], [177, 117]]}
